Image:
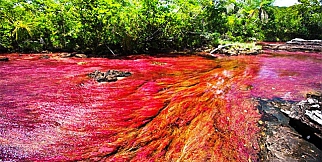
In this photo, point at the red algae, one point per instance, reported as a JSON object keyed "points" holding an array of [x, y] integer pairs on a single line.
{"points": [[289, 75], [184, 108]]}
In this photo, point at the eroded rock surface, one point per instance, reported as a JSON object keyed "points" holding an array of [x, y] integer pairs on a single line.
{"points": [[291, 130], [108, 76], [66, 55], [296, 44], [234, 50], [309, 112]]}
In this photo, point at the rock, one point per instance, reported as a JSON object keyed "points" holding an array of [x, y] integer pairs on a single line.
{"points": [[314, 115], [108, 76], [307, 112], [315, 95], [4, 59], [301, 41], [79, 55], [284, 144], [295, 40], [111, 78], [284, 136], [296, 44], [81, 63], [220, 48], [45, 57], [65, 55], [234, 50]]}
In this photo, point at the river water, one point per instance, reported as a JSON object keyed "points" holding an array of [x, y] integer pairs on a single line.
{"points": [[170, 108]]}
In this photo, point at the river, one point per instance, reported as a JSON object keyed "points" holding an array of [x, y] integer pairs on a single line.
{"points": [[172, 108]]}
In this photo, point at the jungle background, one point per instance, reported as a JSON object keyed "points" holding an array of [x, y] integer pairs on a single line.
{"points": [[144, 26]]}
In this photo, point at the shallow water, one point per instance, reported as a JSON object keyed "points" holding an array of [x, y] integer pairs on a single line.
{"points": [[288, 75], [171, 108]]}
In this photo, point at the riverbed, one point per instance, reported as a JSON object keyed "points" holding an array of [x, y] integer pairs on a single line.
{"points": [[171, 107]]}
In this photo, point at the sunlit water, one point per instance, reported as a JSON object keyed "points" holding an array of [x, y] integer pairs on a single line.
{"points": [[171, 108]]}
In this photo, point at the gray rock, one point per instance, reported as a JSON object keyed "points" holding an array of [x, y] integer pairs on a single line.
{"points": [[65, 55], [108, 76], [296, 44], [314, 115], [79, 55], [289, 136], [234, 50]]}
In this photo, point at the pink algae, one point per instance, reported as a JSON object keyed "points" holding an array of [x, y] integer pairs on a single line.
{"points": [[288, 75], [171, 108]]}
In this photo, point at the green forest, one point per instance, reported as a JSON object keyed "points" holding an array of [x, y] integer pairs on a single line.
{"points": [[144, 26]]}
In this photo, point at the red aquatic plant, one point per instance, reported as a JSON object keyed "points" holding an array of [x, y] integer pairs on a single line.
{"points": [[171, 109], [288, 75]]}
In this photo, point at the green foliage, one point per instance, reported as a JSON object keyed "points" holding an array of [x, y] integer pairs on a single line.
{"points": [[134, 26]]}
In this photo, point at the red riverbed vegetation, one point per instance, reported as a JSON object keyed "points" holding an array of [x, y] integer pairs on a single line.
{"points": [[184, 108]]}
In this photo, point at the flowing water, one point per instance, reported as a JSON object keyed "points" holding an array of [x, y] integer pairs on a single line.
{"points": [[170, 109]]}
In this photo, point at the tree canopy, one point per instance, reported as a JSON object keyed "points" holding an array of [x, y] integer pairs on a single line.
{"points": [[135, 26]]}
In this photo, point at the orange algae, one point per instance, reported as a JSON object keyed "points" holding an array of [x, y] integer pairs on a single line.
{"points": [[204, 119], [170, 109]]}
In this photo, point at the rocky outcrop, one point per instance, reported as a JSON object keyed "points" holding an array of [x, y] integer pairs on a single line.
{"points": [[296, 44], [291, 131], [66, 55], [235, 50], [80, 55], [45, 57], [299, 41], [308, 112], [109, 76]]}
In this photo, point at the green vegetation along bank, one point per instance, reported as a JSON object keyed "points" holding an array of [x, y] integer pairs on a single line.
{"points": [[136, 26]]}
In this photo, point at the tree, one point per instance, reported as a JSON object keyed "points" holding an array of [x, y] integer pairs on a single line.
{"points": [[311, 13]]}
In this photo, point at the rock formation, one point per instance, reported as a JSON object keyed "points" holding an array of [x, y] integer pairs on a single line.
{"points": [[234, 50], [109, 76], [66, 55], [291, 131], [296, 44]]}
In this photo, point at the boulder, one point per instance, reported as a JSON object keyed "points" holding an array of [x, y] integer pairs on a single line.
{"points": [[45, 57], [296, 44], [79, 55], [300, 41], [65, 55], [235, 50], [108, 76], [291, 131]]}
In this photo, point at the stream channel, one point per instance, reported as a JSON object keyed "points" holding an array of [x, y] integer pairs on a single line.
{"points": [[171, 108]]}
